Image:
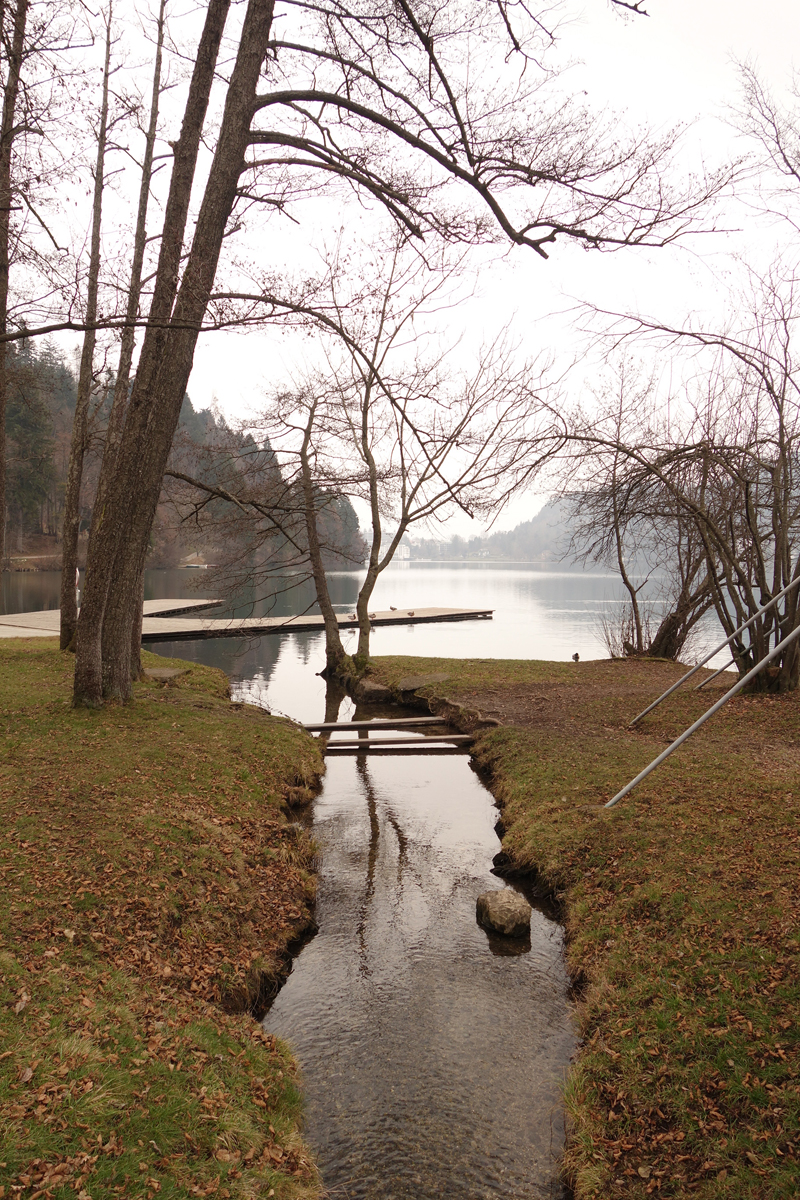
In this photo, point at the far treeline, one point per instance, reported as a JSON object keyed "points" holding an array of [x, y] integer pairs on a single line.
{"points": [[544, 538], [42, 394]]}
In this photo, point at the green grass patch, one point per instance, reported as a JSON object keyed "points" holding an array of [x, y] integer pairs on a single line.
{"points": [[680, 907], [151, 886]]}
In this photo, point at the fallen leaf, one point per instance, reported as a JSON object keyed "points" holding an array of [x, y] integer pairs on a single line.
{"points": [[644, 1172]]}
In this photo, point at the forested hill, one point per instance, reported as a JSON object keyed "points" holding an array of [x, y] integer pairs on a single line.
{"points": [[42, 388], [544, 538]]}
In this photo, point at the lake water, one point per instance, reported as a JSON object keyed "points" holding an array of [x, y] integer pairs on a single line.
{"points": [[545, 612]]}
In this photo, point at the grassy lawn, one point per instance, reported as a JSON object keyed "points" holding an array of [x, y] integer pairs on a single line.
{"points": [[681, 913], [151, 883]]}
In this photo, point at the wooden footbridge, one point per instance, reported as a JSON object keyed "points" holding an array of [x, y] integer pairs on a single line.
{"points": [[175, 621], [407, 735]]}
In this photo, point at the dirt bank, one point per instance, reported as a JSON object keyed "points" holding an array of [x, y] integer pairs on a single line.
{"points": [[153, 880]]}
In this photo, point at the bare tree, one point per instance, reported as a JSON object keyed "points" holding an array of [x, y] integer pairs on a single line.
{"points": [[412, 434], [375, 101], [35, 38], [728, 458], [621, 517], [72, 495], [13, 45]]}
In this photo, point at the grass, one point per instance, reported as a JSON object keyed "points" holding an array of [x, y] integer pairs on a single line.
{"points": [[680, 907], [151, 886]]}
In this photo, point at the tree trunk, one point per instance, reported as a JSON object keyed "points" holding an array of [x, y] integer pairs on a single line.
{"points": [[116, 420], [119, 406], [112, 519], [72, 494], [373, 567], [7, 134]]}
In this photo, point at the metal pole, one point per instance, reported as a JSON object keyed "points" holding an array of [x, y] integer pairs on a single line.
{"points": [[711, 678], [737, 687], [721, 646]]}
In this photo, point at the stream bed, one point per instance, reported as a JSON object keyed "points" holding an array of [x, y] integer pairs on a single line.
{"points": [[432, 1053]]}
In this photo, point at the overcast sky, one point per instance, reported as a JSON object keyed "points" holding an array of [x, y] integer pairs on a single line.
{"points": [[679, 64]]}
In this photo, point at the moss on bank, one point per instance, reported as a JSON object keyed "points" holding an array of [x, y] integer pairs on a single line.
{"points": [[151, 886], [681, 910]]}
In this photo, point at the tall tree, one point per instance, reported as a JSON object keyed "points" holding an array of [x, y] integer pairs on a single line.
{"points": [[80, 425], [14, 18], [36, 70]]}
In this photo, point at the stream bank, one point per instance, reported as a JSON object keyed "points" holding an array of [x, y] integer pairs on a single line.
{"points": [[680, 906], [153, 886]]}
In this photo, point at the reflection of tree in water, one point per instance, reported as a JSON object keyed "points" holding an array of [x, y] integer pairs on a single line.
{"points": [[371, 797], [372, 859]]}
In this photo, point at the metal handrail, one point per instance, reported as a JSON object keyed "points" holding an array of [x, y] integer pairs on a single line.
{"points": [[699, 687], [737, 687], [778, 596]]}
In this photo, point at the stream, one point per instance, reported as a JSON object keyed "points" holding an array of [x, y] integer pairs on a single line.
{"points": [[432, 1053]]}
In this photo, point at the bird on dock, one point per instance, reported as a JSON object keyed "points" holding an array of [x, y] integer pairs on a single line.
{"points": [[411, 614], [576, 657], [372, 616], [392, 608]]}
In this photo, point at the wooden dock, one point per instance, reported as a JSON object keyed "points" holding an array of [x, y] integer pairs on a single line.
{"points": [[45, 623], [172, 621], [179, 629]]}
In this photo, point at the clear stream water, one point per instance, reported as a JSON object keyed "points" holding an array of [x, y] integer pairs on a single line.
{"points": [[432, 1053]]}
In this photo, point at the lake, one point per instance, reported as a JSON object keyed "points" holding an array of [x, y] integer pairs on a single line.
{"points": [[540, 611]]}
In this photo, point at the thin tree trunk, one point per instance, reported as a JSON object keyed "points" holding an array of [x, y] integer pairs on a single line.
{"points": [[119, 406], [335, 657], [72, 494], [109, 524], [373, 567], [116, 420], [136, 631], [7, 133]]}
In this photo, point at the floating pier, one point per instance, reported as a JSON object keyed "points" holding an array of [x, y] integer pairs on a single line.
{"points": [[172, 621], [177, 629], [46, 622]]}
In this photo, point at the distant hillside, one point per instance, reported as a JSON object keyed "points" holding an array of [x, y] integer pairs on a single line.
{"points": [[544, 538]]}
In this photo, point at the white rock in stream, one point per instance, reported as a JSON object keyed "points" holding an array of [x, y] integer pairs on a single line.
{"points": [[505, 912]]}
